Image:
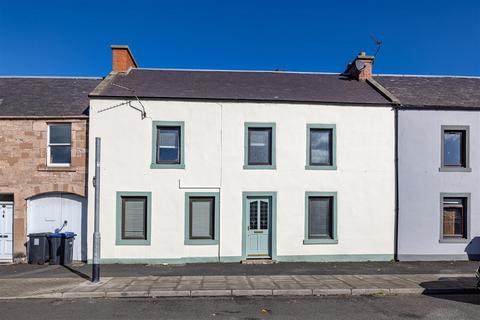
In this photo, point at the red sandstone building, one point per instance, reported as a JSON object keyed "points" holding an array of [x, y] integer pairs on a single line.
{"points": [[43, 160]]}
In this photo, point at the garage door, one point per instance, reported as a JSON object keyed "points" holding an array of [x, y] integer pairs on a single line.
{"points": [[50, 211]]}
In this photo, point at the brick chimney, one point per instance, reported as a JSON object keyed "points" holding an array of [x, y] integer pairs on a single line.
{"points": [[361, 67], [122, 58]]}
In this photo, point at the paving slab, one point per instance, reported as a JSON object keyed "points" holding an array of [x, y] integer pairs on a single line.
{"points": [[292, 292], [23, 271], [331, 292], [166, 293], [254, 292], [369, 291], [294, 285], [127, 294], [79, 294], [210, 293]]}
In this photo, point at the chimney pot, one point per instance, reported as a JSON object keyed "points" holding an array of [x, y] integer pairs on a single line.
{"points": [[122, 58]]}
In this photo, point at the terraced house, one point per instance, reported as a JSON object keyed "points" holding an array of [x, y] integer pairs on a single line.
{"points": [[438, 168], [43, 160], [206, 166], [237, 165]]}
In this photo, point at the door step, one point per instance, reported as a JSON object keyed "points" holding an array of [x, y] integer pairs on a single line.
{"points": [[258, 261]]}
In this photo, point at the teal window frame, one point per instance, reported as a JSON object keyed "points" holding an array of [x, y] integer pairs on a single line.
{"points": [[155, 125], [332, 127], [334, 239], [140, 242], [272, 126], [216, 212]]}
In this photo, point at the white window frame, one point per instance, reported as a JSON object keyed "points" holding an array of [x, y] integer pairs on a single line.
{"points": [[57, 144]]}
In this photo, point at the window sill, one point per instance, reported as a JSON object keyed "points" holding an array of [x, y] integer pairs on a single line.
{"points": [[320, 241], [313, 167], [259, 167], [457, 240], [57, 169], [132, 242], [454, 169], [200, 242], [167, 166]]}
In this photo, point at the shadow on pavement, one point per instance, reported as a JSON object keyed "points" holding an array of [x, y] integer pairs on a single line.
{"points": [[471, 298], [78, 273], [462, 289]]}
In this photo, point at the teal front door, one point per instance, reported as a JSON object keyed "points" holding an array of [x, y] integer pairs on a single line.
{"points": [[258, 228]]}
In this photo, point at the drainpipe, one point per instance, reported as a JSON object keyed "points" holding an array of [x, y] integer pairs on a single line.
{"points": [[96, 229], [396, 105], [395, 253]]}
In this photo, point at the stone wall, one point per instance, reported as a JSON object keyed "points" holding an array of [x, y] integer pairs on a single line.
{"points": [[24, 171]]}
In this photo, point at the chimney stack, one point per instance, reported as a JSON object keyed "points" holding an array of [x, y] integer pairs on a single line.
{"points": [[361, 67], [122, 58]]}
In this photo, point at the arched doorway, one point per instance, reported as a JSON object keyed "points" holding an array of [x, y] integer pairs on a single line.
{"points": [[50, 211]]}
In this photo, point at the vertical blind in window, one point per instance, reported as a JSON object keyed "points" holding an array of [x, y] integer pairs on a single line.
{"points": [[201, 218], [168, 145], [320, 214], [321, 147], [134, 217], [259, 146]]}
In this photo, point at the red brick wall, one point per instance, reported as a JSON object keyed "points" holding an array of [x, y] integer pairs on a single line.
{"points": [[121, 60], [23, 170]]}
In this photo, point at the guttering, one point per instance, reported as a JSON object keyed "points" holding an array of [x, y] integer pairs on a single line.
{"points": [[227, 100], [82, 117], [437, 108]]}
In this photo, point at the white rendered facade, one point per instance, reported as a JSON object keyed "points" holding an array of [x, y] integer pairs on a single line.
{"points": [[214, 146]]}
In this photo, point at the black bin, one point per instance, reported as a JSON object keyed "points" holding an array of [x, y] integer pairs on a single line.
{"points": [[38, 248], [61, 247]]}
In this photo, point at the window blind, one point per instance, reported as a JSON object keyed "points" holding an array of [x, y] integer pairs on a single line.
{"points": [[134, 218], [320, 217], [201, 215]]}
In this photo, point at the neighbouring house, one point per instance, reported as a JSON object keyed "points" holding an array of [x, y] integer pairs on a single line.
{"points": [[43, 160], [201, 165], [438, 166]]}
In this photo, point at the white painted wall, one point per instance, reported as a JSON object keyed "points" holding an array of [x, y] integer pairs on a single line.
{"points": [[421, 183], [214, 156]]}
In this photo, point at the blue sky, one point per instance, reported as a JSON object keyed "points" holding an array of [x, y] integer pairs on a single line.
{"points": [[74, 37]]}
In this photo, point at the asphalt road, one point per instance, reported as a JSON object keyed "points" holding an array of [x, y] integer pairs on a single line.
{"points": [[215, 269], [392, 307]]}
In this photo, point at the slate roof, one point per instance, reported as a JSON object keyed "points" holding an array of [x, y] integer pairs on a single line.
{"points": [[239, 85], [433, 91], [43, 97]]}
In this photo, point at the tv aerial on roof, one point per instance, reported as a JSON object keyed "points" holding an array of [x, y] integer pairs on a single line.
{"points": [[378, 43], [129, 102]]}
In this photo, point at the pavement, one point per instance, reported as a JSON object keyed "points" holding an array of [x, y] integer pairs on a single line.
{"points": [[316, 280], [235, 269], [440, 307]]}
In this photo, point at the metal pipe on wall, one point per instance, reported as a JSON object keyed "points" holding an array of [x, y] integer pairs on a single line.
{"points": [[96, 230]]}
